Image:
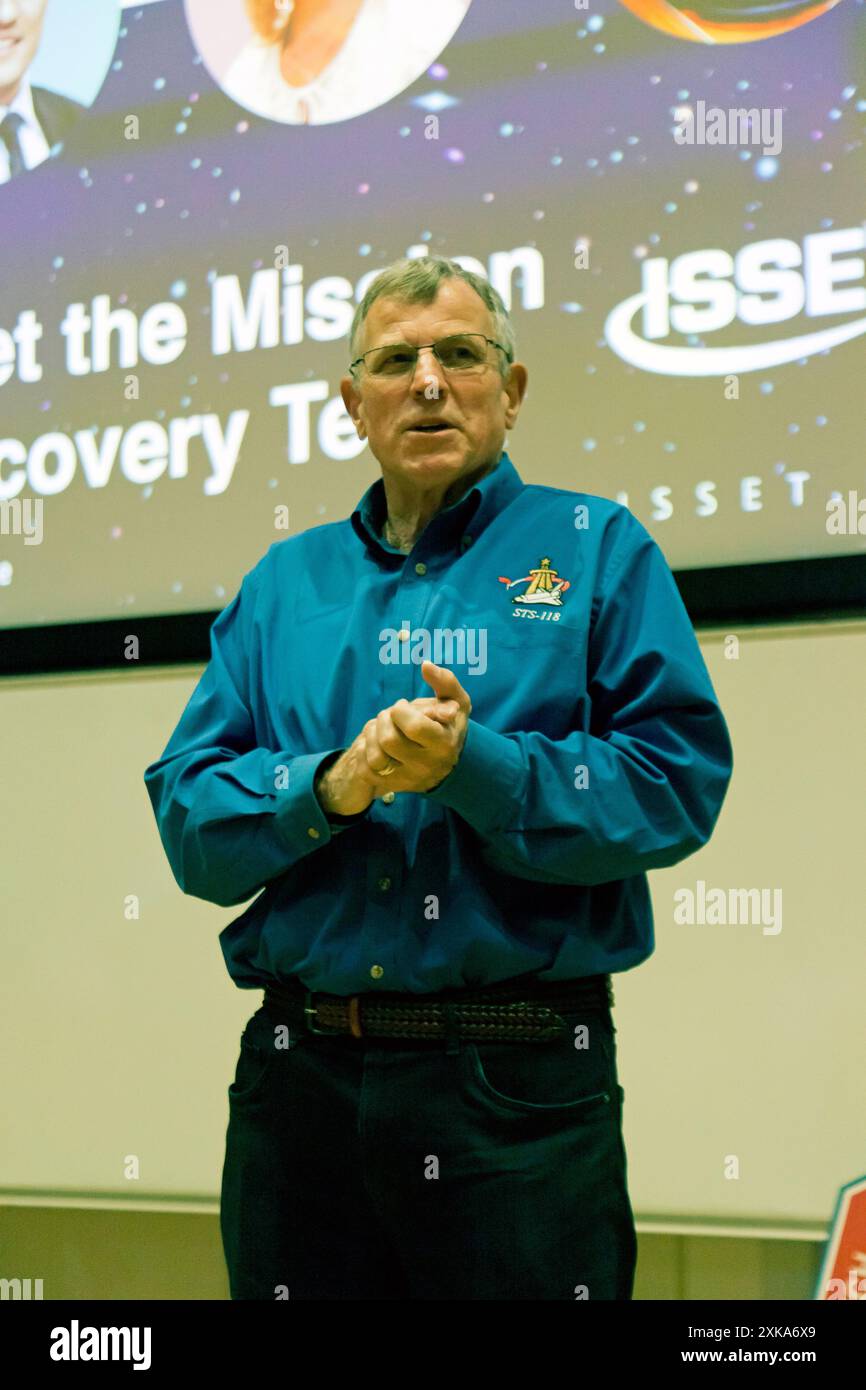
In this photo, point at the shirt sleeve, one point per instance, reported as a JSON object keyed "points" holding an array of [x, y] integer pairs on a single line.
{"points": [[233, 815], [643, 787]]}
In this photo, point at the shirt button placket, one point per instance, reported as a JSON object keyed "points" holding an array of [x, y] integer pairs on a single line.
{"points": [[401, 681]]}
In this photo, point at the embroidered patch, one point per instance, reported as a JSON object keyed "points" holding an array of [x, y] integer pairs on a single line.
{"points": [[544, 589]]}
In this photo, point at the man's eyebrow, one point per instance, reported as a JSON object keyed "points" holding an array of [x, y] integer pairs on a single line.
{"points": [[449, 333]]}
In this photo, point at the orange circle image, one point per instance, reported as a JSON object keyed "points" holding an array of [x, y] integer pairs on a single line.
{"points": [[727, 21]]}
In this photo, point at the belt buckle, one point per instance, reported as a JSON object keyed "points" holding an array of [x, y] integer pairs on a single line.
{"points": [[354, 1019], [310, 1013]]}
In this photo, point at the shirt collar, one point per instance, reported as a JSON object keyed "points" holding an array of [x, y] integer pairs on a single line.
{"points": [[22, 102], [461, 522]]}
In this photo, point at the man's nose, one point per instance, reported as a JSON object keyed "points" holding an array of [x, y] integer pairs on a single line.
{"points": [[427, 364], [9, 11]]}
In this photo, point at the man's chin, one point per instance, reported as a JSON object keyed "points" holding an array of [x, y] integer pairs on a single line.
{"points": [[440, 444], [10, 83]]}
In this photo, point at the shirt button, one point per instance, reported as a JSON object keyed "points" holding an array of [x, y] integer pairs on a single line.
{"points": [[388, 798], [384, 884], [466, 542], [420, 568], [312, 832], [377, 971]]}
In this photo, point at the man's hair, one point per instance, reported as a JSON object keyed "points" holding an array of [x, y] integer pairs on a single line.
{"points": [[264, 16], [417, 282]]}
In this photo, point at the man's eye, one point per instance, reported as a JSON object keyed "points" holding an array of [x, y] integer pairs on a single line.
{"points": [[461, 353]]}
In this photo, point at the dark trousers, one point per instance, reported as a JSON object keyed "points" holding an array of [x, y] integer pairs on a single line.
{"points": [[395, 1169]]}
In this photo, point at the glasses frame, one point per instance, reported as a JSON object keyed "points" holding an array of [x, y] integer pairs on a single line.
{"points": [[418, 347]]}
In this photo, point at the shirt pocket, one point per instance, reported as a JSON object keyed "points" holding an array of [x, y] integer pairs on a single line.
{"points": [[521, 627], [529, 673], [524, 625]]}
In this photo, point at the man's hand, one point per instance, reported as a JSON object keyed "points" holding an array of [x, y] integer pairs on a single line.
{"points": [[422, 739], [424, 756]]}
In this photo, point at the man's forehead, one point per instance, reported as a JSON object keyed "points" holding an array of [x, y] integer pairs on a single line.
{"points": [[456, 306]]}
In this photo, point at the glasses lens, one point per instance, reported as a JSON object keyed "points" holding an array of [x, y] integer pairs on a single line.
{"points": [[462, 351], [459, 353], [392, 360]]}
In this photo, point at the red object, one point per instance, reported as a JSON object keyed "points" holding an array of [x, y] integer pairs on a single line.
{"points": [[843, 1271]]}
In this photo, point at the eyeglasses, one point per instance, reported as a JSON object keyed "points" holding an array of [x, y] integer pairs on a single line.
{"points": [[459, 352]]}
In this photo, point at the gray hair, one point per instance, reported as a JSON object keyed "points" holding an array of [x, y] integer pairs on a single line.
{"points": [[417, 282]]}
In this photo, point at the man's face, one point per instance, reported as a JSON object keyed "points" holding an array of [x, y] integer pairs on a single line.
{"points": [[20, 32], [478, 406]]}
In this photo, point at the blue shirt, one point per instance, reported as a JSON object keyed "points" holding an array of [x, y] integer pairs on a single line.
{"points": [[595, 750]]}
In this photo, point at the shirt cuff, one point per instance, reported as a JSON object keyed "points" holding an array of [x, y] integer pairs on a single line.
{"points": [[338, 823], [301, 819], [486, 782]]}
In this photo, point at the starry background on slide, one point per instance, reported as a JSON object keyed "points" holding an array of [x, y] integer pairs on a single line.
{"points": [[553, 131]]}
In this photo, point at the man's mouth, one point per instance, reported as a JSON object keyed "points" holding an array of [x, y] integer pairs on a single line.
{"points": [[6, 45], [429, 429]]}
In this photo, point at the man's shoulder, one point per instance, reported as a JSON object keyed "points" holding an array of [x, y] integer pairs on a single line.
{"points": [[591, 510], [55, 113], [316, 542], [542, 492], [606, 535]]}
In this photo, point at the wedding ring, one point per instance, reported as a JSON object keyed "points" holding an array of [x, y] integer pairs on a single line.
{"points": [[386, 771]]}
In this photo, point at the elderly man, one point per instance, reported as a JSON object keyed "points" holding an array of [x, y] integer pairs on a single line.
{"points": [[33, 120], [447, 738]]}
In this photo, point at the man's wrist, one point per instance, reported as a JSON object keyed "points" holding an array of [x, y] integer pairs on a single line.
{"points": [[320, 788]]}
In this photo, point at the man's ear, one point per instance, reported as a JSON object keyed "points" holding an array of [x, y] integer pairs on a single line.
{"points": [[352, 402], [515, 390]]}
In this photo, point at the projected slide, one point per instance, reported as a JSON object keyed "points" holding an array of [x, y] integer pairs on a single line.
{"points": [[669, 197]]}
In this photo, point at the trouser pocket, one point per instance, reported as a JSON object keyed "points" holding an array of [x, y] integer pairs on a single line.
{"points": [[575, 1074], [265, 1043]]}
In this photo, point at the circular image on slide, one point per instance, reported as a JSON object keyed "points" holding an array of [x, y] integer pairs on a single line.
{"points": [[727, 21], [54, 57], [313, 62]]}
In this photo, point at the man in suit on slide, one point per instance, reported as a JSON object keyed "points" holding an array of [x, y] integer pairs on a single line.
{"points": [[33, 120]]}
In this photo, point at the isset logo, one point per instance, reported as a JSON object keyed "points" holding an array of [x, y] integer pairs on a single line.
{"points": [[764, 283]]}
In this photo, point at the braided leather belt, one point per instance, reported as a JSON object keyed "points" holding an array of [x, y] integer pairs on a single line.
{"points": [[504, 1012]]}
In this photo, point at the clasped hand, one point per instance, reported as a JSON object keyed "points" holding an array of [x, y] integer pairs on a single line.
{"points": [[421, 739]]}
